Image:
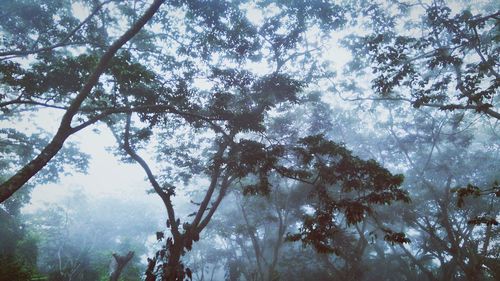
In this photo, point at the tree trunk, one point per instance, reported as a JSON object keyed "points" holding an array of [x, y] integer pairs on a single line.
{"points": [[167, 262], [173, 270], [118, 264]]}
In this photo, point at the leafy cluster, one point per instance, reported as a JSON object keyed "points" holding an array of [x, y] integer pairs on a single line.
{"points": [[460, 47], [340, 183]]}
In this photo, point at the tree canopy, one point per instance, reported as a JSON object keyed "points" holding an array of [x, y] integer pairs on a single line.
{"points": [[214, 95]]}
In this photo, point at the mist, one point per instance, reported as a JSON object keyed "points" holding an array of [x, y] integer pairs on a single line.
{"points": [[249, 140]]}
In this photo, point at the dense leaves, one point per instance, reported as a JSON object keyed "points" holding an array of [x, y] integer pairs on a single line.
{"points": [[341, 184]]}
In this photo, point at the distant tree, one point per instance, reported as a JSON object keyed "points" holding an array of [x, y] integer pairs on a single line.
{"points": [[76, 239], [255, 233], [438, 152], [453, 162], [18, 252], [18, 245], [440, 54]]}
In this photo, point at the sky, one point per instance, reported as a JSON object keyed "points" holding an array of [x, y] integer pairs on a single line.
{"points": [[106, 176]]}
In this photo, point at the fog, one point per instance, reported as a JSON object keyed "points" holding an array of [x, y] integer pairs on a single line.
{"points": [[249, 140]]}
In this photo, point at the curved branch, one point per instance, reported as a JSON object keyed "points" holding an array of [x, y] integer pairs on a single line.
{"points": [[15, 182], [226, 182], [147, 109], [165, 196]]}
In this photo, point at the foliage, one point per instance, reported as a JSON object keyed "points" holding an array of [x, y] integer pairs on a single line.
{"points": [[443, 59], [207, 90], [323, 165], [18, 249], [77, 239]]}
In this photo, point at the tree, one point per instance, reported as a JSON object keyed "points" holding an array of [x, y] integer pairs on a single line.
{"points": [[119, 264], [437, 152], [444, 58], [188, 81], [17, 250], [254, 229], [450, 160], [66, 128], [77, 239]]}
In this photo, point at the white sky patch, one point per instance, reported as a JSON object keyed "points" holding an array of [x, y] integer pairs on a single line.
{"points": [[79, 10], [106, 176], [308, 209], [256, 15]]}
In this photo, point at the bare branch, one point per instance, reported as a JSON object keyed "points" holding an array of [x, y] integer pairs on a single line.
{"points": [[165, 196], [213, 183], [226, 182]]}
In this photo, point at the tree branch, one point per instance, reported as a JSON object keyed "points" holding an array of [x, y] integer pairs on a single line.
{"points": [[165, 196], [145, 109], [213, 183], [15, 182], [226, 182], [63, 42], [30, 102], [452, 106]]}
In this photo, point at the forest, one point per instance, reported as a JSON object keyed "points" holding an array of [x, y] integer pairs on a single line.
{"points": [[249, 140]]}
